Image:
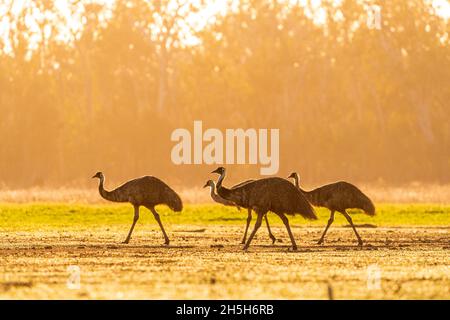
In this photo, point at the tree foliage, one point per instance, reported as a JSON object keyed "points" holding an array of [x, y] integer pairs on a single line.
{"points": [[352, 102]]}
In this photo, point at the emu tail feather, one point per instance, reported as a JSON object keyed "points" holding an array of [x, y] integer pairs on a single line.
{"points": [[305, 209], [174, 200], [367, 205], [309, 214]]}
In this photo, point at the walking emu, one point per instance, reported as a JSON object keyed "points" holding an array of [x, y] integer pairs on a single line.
{"points": [[218, 198], [145, 191], [338, 196], [264, 195], [225, 202]]}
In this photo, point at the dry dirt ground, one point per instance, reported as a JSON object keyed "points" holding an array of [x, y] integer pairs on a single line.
{"points": [[208, 263]]}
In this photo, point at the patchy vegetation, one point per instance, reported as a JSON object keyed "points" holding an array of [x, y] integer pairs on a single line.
{"points": [[54, 217], [408, 244]]}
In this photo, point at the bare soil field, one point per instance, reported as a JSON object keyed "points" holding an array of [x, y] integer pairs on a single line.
{"points": [[207, 262]]}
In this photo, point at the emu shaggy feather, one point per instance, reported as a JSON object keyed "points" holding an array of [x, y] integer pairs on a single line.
{"points": [[338, 196], [269, 194], [146, 191]]}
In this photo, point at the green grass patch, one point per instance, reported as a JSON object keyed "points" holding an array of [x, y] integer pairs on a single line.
{"points": [[45, 217]]}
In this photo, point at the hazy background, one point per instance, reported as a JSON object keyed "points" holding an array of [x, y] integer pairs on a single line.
{"points": [[100, 85]]}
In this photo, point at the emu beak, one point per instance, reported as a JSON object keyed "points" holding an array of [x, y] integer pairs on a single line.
{"points": [[205, 185], [216, 171], [94, 177], [291, 175]]}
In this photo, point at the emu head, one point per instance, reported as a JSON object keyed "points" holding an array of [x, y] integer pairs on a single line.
{"points": [[209, 183], [99, 175], [293, 175], [219, 170]]}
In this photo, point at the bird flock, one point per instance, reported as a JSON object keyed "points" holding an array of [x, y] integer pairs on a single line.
{"points": [[261, 196]]}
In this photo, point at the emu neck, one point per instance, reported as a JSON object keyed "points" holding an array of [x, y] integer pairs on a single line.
{"points": [[223, 192], [297, 184], [309, 195], [212, 190], [227, 194], [106, 194], [219, 182], [296, 181]]}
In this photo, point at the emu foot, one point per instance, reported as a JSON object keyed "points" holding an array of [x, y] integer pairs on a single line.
{"points": [[126, 241], [360, 243], [273, 239], [167, 242], [293, 248], [320, 241]]}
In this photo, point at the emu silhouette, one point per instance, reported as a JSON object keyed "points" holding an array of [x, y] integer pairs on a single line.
{"points": [[338, 196], [269, 194], [146, 191], [225, 202]]}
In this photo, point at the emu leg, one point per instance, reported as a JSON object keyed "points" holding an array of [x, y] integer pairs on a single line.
{"points": [[249, 219], [156, 215], [135, 219], [330, 221], [257, 225], [268, 229], [286, 223], [349, 219]]}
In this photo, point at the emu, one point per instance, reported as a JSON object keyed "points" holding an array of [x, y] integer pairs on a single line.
{"points": [[146, 191], [269, 194], [225, 202], [338, 196]]}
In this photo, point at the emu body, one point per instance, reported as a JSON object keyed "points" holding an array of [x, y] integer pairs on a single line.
{"points": [[269, 194], [146, 191], [225, 202], [338, 196]]}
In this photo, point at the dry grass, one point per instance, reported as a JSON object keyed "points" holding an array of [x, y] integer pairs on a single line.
{"points": [[412, 193], [81, 195]]}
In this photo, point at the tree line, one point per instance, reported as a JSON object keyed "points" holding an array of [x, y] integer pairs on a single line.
{"points": [[98, 86]]}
